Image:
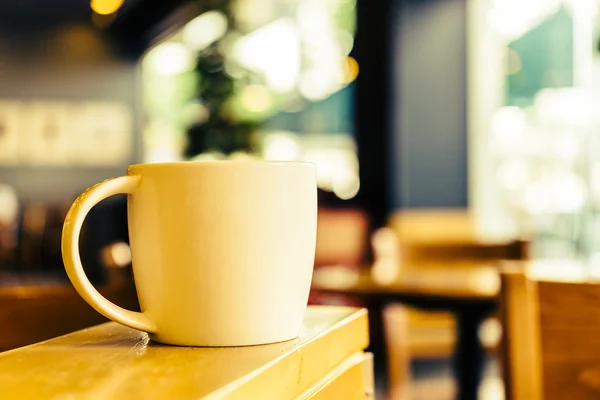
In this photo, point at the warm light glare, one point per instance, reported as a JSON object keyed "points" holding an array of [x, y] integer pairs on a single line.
{"points": [[560, 191], [350, 70], [513, 174], [273, 50], [9, 204], [121, 254], [169, 58], [195, 113], [346, 41], [508, 127], [567, 146], [105, 7], [595, 180], [281, 147], [570, 192], [536, 198], [337, 170], [323, 74], [512, 18], [314, 20], [491, 388], [318, 84], [565, 106], [161, 141], [509, 122], [242, 156], [256, 98], [209, 156], [386, 254], [205, 29], [346, 188]]}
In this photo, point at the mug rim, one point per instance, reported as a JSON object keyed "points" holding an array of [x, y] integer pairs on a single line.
{"points": [[221, 163]]}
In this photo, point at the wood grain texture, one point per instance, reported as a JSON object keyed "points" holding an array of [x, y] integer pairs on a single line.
{"points": [[570, 338], [111, 361], [552, 338], [520, 345], [351, 380]]}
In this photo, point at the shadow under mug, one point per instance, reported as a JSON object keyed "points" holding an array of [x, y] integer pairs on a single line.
{"points": [[222, 251]]}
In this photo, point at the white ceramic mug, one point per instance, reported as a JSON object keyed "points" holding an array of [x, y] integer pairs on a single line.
{"points": [[222, 251]]}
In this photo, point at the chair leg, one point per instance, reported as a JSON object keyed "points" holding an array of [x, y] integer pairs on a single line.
{"points": [[396, 323]]}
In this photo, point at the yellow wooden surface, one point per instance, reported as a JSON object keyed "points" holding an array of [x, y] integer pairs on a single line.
{"points": [[434, 225], [521, 346], [472, 282], [351, 380], [551, 330], [110, 361]]}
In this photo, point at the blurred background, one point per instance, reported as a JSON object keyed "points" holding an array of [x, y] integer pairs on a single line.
{"points": [[440, 129]]}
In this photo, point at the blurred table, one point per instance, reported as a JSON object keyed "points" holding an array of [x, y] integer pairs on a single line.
{"points": [[37, 307], [326, 361], [470, 292], [41, 278]]}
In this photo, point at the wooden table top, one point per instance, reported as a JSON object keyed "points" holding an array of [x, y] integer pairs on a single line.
{"points": [[111, 361], [476, 283], [458, 281]]}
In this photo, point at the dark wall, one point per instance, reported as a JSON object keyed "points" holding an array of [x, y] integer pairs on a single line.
{"points": [[60, 56], [428, 104]]}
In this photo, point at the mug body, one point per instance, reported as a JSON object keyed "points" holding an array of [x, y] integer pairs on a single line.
{"points": [[223, 251]]}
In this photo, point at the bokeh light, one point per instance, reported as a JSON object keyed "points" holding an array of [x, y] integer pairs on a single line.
{"points": [[204, 30], [281, 147], [274, 51], [350, 66], [105, 7], [512, 18], [169, 58], [256, 98], [513, 174], [508, 127]]}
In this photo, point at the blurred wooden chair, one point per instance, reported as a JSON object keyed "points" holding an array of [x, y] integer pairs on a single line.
{"points": [[9, 220], [396, 320], [428, 237], [437, 238], [551, 345], [433, 225], [341, 237], [448, 238], [341, 243]]}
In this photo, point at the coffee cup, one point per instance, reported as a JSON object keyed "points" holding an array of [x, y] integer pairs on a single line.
{"points": [[222, 251]]}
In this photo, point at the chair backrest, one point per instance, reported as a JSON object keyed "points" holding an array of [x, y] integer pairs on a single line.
{"points": [[341, 237], [551, 341], [433, 236], [433, 225]]}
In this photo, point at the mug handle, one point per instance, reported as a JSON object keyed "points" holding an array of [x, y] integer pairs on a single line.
{"points": [[72, 259]]}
